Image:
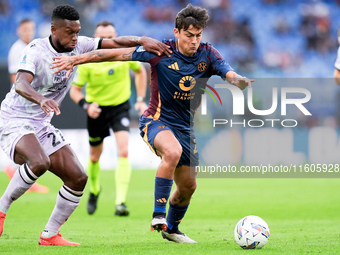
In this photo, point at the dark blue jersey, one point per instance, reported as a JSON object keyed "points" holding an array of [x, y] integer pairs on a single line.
{"points": [[177, 82]]}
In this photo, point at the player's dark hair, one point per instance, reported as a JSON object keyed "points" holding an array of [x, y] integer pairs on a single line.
{"points": [[25, 21], [64, 11], [192, 15], [105, 23]]}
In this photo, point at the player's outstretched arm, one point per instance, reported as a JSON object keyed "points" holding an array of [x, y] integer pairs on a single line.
{"points": [[150, 44], [67, 63], [23, 87], [238, 80]]}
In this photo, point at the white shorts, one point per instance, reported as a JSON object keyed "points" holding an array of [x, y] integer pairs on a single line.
{"points": [[11, 131]]}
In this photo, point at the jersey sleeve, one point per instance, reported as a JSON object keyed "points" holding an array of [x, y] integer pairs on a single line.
{"points": [[337, 60], [219, 65], [30, 59], [88, 44], [14, 56], [81, 76], [140, 54], [134, 65]]}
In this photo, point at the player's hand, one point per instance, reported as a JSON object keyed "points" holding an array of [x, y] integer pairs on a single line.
{"points": [[94, 110], [62, 63], [49, 105], [155, 46], [141, 107], [242, 82]]}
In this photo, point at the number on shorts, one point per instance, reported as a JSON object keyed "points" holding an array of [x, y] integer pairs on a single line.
{"points": [[54, 142]]}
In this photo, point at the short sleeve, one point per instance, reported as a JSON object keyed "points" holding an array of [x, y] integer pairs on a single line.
{"points": [[140, 54], [220, 66], [29, 59], [88, 44], [134, 65], [14, 57], [81, 76]]}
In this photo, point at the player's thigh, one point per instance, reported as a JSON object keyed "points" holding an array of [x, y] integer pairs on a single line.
{"points": [[19, 141], [29, 150], [65, 164], [165, 142]]}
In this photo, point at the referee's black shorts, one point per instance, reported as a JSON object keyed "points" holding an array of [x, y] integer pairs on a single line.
{"points": [[115, 117]]}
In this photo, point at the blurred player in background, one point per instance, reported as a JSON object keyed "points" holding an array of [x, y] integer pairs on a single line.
{"points": [[25, 31], [167, 125], [26, 134], [337, 62], [108, 89]]}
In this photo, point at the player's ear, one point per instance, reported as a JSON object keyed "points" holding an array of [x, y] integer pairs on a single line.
{"points": [[176, 32], [53, 29]]}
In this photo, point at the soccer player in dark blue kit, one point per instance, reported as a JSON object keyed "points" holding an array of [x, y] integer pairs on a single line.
{"points": [[167, 125]]}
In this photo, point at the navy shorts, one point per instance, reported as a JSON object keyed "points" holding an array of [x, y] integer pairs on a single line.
{"points": [[149, 128]]}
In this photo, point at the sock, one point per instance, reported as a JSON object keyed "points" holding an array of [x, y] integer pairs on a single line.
{"points": [[175, 215], [22, 180], [67, 202], [93, 170], [123, 174], [162, 192]]}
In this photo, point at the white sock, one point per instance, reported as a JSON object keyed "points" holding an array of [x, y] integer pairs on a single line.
{"points": [[22, 180], [67, 202]]}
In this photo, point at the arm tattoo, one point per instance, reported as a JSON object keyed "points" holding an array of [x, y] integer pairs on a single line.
{"points": [[128, 56]]}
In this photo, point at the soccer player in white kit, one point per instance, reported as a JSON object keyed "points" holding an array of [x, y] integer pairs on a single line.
{"points": [[25, 31], [26, 134]]}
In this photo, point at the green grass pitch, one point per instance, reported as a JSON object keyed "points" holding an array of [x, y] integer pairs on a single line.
{"points": [[303, 216]]}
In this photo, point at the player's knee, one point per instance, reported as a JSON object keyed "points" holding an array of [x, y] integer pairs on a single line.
{"points": [[123, 153], [188, 188], [191, 187], [40, 165], [94, 158], [81, 180], [173, 155]]}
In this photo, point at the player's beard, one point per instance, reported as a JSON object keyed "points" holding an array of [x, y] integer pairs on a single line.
{"points": [[62, 47]]}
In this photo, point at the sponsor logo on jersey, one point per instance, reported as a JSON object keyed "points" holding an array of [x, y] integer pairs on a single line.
{"points": [[161, 127], [187, 83]]}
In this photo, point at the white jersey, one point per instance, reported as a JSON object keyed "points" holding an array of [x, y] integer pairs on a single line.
{"points": [[36, 59], [14, 55], [337, 61]]}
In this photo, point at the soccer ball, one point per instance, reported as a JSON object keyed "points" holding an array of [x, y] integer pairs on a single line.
{"points": [[251, 232]]}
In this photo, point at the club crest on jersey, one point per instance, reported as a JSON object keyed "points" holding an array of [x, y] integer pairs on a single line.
{"points": [[202, 66], [59, 81]]}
